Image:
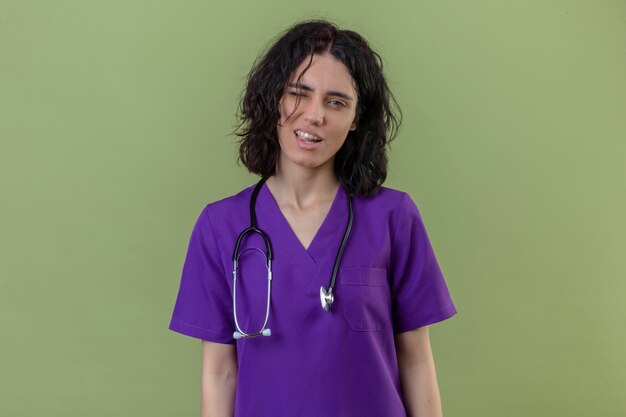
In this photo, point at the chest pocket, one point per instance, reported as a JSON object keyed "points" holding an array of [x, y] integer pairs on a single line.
{"points": [[364, 298]]}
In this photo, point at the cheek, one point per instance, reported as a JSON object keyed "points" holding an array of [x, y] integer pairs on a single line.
{"points": [[344, 129], [285, 107], [284, 134], [281, 110]]}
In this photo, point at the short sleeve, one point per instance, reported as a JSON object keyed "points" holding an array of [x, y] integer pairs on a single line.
{"points": [[203, 306], [420, 295]]}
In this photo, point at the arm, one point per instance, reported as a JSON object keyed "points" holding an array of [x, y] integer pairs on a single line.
{"points": [[417, 374], [219, 379]]}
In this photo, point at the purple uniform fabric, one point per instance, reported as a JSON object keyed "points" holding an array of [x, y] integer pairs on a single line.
{"points": [[315, 364]]}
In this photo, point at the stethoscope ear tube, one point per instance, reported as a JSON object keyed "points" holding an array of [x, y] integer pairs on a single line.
{"points": [[264, 331]]}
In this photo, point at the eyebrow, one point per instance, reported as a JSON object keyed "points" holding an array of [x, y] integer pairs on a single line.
{"points": [[330, 93]]}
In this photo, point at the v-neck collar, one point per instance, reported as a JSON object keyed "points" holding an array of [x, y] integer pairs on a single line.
{"points": [[326, 240]]}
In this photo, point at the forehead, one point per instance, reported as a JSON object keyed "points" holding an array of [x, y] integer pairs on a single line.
{"points": [[325, 72]]}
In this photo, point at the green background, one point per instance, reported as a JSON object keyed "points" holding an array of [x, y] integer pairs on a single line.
{"points": [[115, 122]]}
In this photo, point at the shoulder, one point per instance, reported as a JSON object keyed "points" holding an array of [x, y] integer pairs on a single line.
{"points": [[387, 200], [224, 216], [230, 205], [393, 206], [387, 192]]}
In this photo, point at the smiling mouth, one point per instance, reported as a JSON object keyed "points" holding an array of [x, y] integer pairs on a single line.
{"points": [[307, 137]]}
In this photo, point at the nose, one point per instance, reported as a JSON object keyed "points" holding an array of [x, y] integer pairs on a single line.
{"points": [[314, 112]]}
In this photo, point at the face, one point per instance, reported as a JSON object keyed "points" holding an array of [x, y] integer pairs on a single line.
{"points": [[316, 113]]}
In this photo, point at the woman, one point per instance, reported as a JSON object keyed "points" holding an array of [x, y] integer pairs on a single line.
{"points": [[354, 279]]}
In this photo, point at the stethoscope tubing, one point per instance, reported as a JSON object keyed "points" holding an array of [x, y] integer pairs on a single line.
{"points": [[326, 294]]}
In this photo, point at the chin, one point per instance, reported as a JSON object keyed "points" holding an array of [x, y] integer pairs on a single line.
{"points": [[307, 163], [303, 161]]}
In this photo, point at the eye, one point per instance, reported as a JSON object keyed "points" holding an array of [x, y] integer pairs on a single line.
{"points": [[337, 103], [296, 94]]}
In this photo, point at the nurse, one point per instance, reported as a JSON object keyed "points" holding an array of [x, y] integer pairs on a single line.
{"points": [[316, 119]]}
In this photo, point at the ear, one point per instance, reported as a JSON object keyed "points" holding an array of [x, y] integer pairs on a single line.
{"points": [[354, 124]]}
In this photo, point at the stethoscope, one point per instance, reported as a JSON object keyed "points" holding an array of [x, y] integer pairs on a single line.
{"points": [[326, 294]]}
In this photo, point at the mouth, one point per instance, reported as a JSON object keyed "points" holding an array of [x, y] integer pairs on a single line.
{"points": [[307, 138]]}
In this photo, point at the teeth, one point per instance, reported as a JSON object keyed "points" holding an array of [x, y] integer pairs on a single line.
{"points": [[305, 135]]}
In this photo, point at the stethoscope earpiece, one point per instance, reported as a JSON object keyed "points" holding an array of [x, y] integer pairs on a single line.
{"points": [[264, 332]]}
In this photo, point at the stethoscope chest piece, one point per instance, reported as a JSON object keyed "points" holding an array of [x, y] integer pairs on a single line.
{"points": [[326, 298]]}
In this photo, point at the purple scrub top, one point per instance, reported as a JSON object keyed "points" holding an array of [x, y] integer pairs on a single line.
{"points": [[340, 363]]}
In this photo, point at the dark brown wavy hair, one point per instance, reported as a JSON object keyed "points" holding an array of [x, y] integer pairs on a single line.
{"points": [[361, 163]]}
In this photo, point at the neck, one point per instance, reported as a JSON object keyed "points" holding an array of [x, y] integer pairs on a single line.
{"points": [[300, 186]]}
